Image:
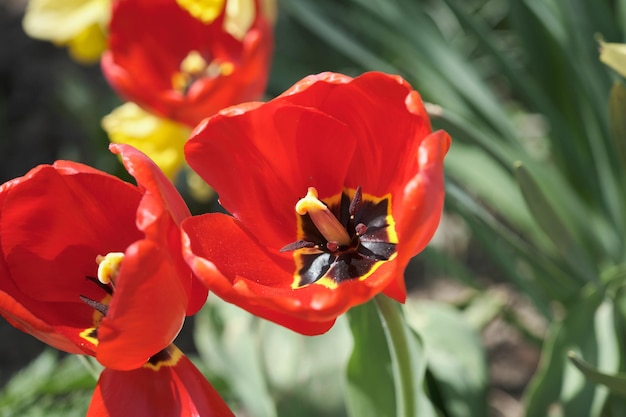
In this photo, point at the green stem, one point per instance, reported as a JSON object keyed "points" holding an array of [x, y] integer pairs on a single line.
{"points": [[397, 340]]}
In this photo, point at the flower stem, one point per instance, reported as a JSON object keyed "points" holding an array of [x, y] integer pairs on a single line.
{"points": [[402, 366]]}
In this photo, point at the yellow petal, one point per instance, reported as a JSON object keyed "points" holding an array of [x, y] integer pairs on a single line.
{"points": [[87, 46], [614, 55], [239, 17], [61, 20], [161, 139], [204, 10]]}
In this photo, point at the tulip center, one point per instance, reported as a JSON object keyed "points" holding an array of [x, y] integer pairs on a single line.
{"points": [[345, 237], [108, 270], [195, 66]]}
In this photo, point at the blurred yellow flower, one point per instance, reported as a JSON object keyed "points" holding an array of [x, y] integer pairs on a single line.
{"points": [[78, 24], [239, 14], [161, 139]]}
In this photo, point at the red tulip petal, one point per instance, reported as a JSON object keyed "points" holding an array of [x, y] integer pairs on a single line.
{"points": [[141, 62], [418, 207], [161, 201], [231, 268], [268, 157], [373, 106], [170, 389], [151, 179], [24, 320], [146, 311], [54, 221]]}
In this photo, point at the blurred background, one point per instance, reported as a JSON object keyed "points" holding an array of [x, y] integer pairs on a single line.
{"points": [[534, 217]]}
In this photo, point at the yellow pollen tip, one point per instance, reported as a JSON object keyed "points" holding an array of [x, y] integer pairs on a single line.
{"points": [[309, 203], [193, 63], [325, 221], [109, 266]]}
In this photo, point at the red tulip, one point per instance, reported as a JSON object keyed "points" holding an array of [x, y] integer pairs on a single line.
{"points": [[362, 151], [91, 264], [182, 67], [168, 386]]}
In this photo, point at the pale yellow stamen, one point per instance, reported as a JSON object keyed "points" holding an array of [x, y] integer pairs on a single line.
{"points": [[194, 66], [109, 266], [325, 221], [193, 63]]}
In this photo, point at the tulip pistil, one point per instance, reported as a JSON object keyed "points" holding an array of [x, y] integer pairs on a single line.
{"points": [[345, 237]]}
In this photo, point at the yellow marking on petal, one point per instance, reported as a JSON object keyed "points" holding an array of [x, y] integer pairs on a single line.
{"points": [[325, 221], [109, 266], [205, 11], [329, 283], [88, 335], [310, 201], [170, 357]]}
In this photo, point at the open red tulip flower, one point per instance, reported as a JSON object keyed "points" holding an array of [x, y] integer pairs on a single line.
{"points": [[92, 265], [184, 59], [333, 187]]}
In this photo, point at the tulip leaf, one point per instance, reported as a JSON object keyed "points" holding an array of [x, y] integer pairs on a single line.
{"points": [[48, 387], [455, 355], [589, 330], [370, 390], [617, 110], [227, 341], [387, 368], [546, 216], [615, 382]]}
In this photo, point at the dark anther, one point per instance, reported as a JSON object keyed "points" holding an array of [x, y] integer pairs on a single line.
{"points": [[105, 287], [297, 245], [161, 356], [360, 229], [98, 306], [356, 201], [332, 246]]}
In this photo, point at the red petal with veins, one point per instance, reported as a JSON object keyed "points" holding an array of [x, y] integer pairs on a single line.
{"points": [[146, 311], [374, 107], [160, 204], [141, 61], [267, 159], [243, 273], [175, 390], [54, 221]]}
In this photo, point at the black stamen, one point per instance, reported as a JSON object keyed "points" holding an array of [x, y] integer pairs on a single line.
{"points": [[356, 201], [96, 305], [297, 245], [105, 287]]}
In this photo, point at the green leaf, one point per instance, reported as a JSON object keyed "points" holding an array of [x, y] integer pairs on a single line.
{"points": [[544, 213], [370, 390], [227, 339], [615, 382], [617, 111], [588, 329], [455, 356], [387, 369]]}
